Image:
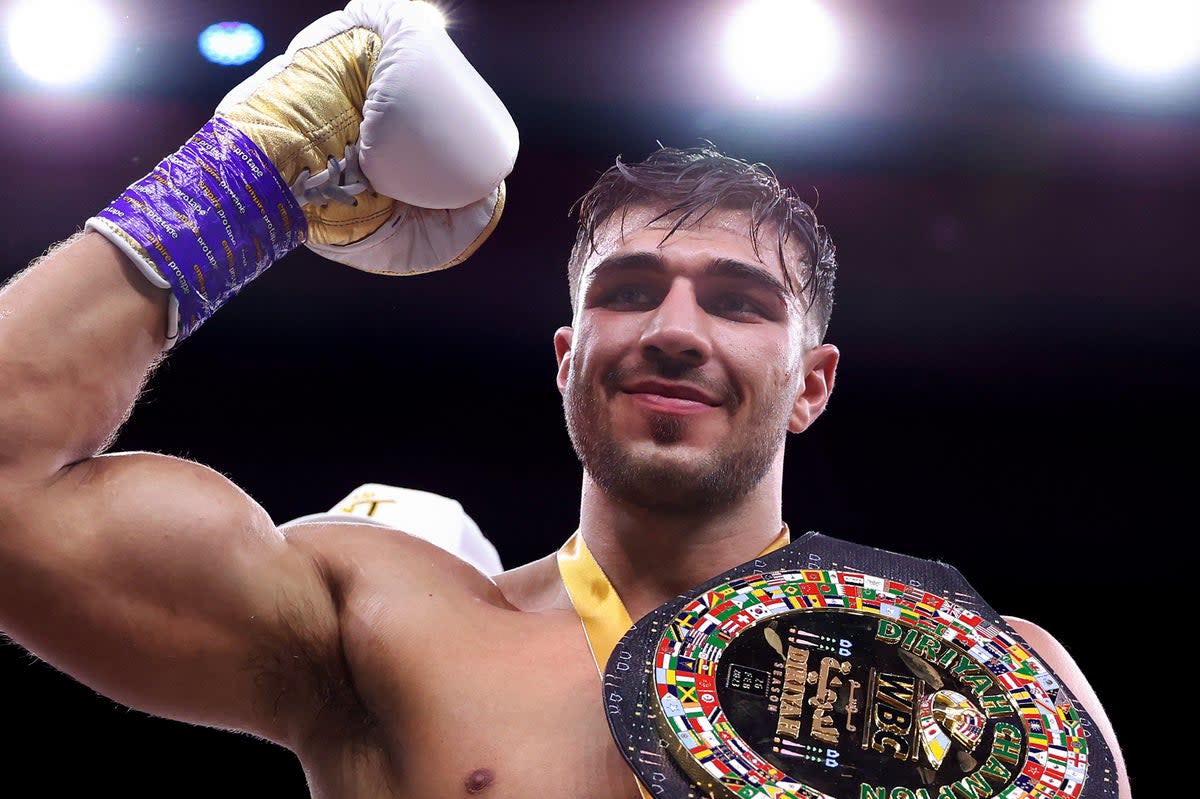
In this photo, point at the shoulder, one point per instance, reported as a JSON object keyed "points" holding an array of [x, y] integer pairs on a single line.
{"points": [[1050, 650], [358, 557]]}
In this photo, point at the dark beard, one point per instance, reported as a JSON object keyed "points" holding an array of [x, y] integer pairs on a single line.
{"points": [[703, 486]]}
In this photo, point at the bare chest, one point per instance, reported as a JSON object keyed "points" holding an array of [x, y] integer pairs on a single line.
{"points": [[491, 704]]}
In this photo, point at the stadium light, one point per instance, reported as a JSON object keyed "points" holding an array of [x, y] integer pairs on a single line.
{"points": [[1148, 38], [763, 38], [59, 42], [230, 43]]}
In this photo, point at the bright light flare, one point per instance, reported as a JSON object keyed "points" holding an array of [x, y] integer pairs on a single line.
{"points": [[59, 41], [1146, 37], [230, 43], [782, 49], [430, 12]]}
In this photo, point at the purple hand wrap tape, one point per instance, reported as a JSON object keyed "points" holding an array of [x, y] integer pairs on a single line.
{"points": [[212, 216]]}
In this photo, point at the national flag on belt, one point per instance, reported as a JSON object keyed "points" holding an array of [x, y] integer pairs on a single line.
{"points": [[814, 576], [997, 667], [1076, 767], [758, 610], [715, 766], [1013, 680], [1005, 640], [672, 707], [986, 631], [964, 629], [889, 610], [855, 579], [876, 584], [932, 627], [895, 588], [724, 610], [719, 638], [1047, 681], [995, 649], [1044, 791], [714, 598], [969, 618]]}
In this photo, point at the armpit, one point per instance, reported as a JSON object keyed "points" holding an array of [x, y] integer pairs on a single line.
{"points": [[303, 677]]}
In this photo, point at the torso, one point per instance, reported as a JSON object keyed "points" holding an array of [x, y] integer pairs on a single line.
{"points": [[474, 688], [468, 687]]}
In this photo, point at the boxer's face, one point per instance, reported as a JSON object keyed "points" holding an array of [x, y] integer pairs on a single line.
{"points": [[686, 364]]}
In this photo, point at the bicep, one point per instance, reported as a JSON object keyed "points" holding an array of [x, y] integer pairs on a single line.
{"points": [[1055, 655], [160, 584]]}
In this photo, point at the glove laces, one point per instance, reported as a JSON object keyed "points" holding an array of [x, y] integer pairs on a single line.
{"points": [[339, 182]]}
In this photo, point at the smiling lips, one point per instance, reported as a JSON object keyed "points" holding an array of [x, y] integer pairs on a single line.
{"points": [[667, 397]]}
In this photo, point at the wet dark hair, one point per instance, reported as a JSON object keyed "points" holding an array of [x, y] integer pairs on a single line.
{"points": [[691, 183]]}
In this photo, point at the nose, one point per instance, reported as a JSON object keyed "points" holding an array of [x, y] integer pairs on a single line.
{"points": [[676, 332]]}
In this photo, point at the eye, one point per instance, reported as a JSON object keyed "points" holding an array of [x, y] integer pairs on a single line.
{"points": [[736, 306], [629, 297]]}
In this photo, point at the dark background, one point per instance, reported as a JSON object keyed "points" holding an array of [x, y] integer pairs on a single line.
{"points": [[1015, 312]]}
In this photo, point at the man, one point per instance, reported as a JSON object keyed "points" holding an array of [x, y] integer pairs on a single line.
{"points": [[701, 291]]}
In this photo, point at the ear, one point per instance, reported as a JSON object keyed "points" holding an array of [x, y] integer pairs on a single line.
{"points": [[820, 370], [562, 350]]}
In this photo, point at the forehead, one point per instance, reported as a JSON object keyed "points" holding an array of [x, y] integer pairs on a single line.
{"points": [[721, 234]]}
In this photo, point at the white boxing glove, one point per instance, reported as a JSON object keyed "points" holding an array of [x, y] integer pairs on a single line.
{"points": [[432, 517], [433, 137], [372, 140]]}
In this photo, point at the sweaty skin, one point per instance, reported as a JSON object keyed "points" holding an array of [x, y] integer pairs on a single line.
{"points": [[390, 667]]}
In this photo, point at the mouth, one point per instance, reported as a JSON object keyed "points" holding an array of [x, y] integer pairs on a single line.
{"points": [[670, 397]]}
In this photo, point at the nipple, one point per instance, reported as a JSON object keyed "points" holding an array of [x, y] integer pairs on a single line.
{"points": [[479, 779]]}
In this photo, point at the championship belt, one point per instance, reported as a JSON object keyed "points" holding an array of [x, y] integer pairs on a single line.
{"points": [[832, 670]]}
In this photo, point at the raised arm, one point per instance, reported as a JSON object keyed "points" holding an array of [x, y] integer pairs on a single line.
{"points": [[151, 579], [156, 580]]}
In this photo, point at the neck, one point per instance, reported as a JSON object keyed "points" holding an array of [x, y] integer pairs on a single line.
{"points": [[651, 556]]}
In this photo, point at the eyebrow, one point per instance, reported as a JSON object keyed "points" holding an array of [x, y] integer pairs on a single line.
{"points": [[718, 267]]}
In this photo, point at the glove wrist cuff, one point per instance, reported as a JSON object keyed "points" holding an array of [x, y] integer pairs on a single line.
{"points": [[208, 220]]}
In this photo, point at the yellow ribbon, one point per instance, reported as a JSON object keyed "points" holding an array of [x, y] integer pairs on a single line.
{"points": [[601, 611]]}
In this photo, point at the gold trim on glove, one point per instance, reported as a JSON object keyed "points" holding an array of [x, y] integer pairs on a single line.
{"points": [[308, 113]]}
